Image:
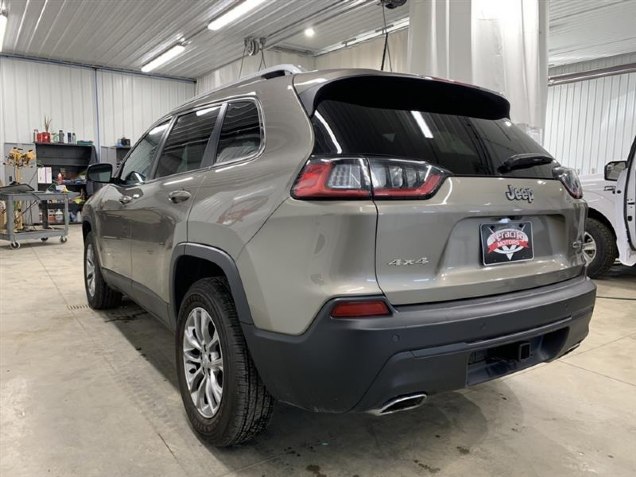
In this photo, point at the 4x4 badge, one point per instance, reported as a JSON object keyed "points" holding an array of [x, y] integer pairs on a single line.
{"points": [[400, 262], [519, 193]]}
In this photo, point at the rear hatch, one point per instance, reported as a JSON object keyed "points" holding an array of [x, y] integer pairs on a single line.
{"points": [[468, 205]]}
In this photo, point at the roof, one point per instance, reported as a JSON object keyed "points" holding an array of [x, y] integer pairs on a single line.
{"points": [[450, 96]]}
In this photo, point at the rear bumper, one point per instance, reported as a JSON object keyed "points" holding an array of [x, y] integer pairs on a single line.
{"points": [[358, 365]]}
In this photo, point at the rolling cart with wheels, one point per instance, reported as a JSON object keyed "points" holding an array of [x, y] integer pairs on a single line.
{"points": [[44, 232]]}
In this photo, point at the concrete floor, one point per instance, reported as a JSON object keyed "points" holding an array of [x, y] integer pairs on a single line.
{"points": [[85, 393]]}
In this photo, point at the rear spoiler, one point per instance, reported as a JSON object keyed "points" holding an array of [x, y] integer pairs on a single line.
{"points": [[384, 90]]}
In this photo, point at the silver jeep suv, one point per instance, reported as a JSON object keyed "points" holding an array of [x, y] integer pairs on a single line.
{"points": [[342, 241]]}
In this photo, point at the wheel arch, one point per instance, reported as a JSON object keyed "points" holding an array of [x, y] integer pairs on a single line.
{"points": [[595, 214], [87, 227], [191, 262]]}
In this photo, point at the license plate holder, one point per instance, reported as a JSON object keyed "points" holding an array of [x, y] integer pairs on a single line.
{"points": [[506, 242]]}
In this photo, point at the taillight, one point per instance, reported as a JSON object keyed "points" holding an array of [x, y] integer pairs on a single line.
{"points": [[333, 179], [570, 180], [359, 309], [360, 178], [401, 179]]}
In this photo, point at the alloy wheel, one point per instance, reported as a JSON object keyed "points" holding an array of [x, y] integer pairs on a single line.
{"points": [[90, 270], [589, 248], [203, 362]]}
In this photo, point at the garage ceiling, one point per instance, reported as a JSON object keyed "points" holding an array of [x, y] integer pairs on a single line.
{"points": [[588, 29], [127, 34]]}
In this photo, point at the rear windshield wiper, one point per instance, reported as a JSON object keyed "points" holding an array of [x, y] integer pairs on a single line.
{"points": [[524, 161]]}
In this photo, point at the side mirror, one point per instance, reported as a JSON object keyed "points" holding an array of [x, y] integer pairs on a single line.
{"points": [[613, 170], [102, 172]]}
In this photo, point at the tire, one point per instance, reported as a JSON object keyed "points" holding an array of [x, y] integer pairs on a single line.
{"points": [[99, 296], [244, 408], [599, 235]]}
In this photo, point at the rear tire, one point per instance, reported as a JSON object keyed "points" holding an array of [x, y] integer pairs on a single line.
{"points": [[605, 253], [98, 294], [238, 407]]}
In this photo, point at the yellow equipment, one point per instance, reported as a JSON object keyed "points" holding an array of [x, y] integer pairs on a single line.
{"points": [[19, 159]]}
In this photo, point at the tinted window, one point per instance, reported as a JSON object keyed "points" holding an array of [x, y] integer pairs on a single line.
{"points": [[241, 132], [460, 144], [139, 162], [187, 142]]}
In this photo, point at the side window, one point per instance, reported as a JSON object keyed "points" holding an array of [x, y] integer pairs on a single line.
{"points": [[241, 134], [139, 162], [187, 142]]}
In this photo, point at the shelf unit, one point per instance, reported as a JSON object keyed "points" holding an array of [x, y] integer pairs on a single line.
{"points": [[68, 159]]}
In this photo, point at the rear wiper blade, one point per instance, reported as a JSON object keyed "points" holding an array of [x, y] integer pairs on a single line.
{"points": [[524, 161]]}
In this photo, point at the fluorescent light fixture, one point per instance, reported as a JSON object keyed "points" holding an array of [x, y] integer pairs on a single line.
{"points": [[3, 28], [369, 35], [203, 112], [158, 129], [421, 122], [233, 14], [310, 32], [163, 58]]}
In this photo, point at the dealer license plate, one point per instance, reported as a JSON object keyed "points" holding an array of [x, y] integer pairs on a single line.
{"points": [[506, 242]]}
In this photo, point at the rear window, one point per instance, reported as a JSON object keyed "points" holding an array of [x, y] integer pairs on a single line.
{"points": [[463, 145], [241, 133]]}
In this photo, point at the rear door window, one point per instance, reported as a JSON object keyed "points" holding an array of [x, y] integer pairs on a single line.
{"points": [[188, 142], [241, 134], [463, 145]]}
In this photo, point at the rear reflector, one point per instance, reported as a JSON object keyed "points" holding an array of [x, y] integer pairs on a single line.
{"points": [[358, 309], [360, 178]]}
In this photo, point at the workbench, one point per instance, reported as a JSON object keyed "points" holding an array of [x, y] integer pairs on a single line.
{"points": [[42, 232]]}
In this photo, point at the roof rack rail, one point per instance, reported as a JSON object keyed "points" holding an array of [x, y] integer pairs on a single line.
{"points": [[267, 73], [273, 72]]}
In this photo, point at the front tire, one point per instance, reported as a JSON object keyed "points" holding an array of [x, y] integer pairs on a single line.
{"points": [[599, 247], [98, 294], [223, 396]]}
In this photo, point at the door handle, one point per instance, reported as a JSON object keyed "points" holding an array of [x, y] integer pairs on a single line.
{"points": [[179, 196], [125, 199]]}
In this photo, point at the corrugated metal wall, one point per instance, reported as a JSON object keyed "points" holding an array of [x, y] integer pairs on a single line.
{"points": [[80, 98], [591, 122], [31, 90], [369, 54], [129, 104]]}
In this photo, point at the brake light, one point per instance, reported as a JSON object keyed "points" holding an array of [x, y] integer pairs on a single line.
{"points": [[333, 179], [360, 178], [358, 309], [570, 180]]}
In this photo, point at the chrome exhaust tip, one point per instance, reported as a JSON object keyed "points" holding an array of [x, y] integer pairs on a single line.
{"points": [[401, 403]]}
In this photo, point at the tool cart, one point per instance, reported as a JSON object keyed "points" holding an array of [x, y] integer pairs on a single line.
{"points": [[16, 231]]}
